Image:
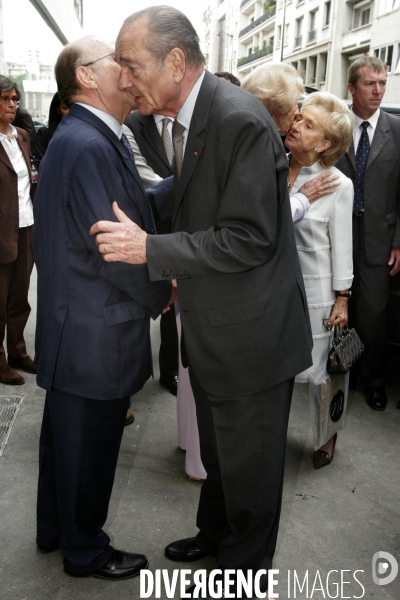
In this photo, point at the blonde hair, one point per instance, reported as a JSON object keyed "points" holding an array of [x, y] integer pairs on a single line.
{"points": [[277, 86], [338, 127]]}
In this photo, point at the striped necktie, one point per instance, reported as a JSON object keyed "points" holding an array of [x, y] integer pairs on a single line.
{"points": [[128, 147], [177, 140], [167, 141], [361, 160]]}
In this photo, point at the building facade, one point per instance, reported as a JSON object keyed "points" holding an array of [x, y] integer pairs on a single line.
{"points": [[320, 38]]}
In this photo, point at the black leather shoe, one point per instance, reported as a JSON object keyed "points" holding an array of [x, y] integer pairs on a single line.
{"points": [[120, 565], [171, 383], [376, 397], [46, 549], [184, 551]]}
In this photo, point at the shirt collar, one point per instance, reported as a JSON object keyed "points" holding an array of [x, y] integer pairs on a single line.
{"points": [[372, 120], [110, 121], [159, 118], [185, 114], [14, 133]]}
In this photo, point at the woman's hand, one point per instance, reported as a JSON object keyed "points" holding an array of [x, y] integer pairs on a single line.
{"points": [[339, 315]]}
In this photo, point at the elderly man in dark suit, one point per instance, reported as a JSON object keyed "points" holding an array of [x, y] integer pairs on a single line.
{"points": [[16, 232], [232, 252], [148, 131], [92, 337], [373, 164]]}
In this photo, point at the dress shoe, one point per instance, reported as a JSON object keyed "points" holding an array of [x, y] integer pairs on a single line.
{"points": [[185, 550], [129, 418], [26, 364], [376, 397], [171, 383], [120, 565], [324, 456], [10, 377], [46, 549]]}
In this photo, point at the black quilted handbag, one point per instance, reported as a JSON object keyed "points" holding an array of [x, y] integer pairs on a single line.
{"points": [[346, 349]]}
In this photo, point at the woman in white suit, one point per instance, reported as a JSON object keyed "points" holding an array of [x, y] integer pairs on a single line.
{"points": [[320, 135]]}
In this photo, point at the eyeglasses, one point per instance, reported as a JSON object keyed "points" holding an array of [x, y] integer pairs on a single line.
{"points": [[97, 59], [7, 99]]}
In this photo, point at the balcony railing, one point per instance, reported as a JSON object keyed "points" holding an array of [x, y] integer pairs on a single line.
{"points": [[267, 15], [312, 35], [297, 41], [263, 52]]}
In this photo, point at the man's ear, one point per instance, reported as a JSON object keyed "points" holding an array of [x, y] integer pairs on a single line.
{"points": [[178, 62], [86, 78]]}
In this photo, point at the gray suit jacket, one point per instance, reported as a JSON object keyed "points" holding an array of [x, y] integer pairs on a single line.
{"points": [[240, 286], [381, 189]]}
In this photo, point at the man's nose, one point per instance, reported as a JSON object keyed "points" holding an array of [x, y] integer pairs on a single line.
{"points": [[124, 82]]}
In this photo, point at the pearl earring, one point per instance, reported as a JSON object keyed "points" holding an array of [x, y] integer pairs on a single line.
{"points": [[315, 149]]}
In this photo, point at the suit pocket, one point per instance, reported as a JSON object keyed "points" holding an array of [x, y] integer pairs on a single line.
{"points": [[236, 313], [122, 312], [392, 218]]}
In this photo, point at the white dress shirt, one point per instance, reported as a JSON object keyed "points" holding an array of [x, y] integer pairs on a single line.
{"points": [[110, 121], [159, 123], [17, 160], [370, 129]]}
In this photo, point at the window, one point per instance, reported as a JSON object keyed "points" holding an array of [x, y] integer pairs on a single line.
{"points": [[361, 14], [250, 51], [312, 30], [386, 6], [386, 54], [298, 34], [78, 10], [327, 13]]}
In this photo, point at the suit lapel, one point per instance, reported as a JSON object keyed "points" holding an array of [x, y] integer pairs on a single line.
{"points": [[4, 158], [381, 136], [351, 154], [150, 134], [195, 143]]}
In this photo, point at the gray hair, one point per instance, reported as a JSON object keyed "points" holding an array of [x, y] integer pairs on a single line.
{"points": [[6, 85], [277, 86], [169, 28], [376, 64]]}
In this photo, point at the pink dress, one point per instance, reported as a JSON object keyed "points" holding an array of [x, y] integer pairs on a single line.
{"points": [[188, 433]]}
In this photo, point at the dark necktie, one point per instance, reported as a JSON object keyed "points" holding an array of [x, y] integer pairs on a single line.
{"points": [[128, 147], [361, 159], [167, 142], [177, 141]]}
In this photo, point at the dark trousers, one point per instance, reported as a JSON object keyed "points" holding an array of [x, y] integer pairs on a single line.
{"points": [[14, 305], [169, 348], [79, 446], [242, 443], [368, 309]]}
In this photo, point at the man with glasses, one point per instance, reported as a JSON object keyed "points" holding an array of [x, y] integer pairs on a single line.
{"points": [[92, 337], [16, 231]]}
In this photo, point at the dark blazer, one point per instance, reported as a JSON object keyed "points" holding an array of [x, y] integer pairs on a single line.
{"points": [[381, 189], [9, 211], [92, 334], [241, 293], [149, 141]]}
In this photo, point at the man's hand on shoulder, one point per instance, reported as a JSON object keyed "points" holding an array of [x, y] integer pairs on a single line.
{"points": [[123, 241], [394, 261], [320, 186]]}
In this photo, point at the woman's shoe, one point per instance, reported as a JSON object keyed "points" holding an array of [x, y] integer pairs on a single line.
{"points": [[194, 478], [324, 455]]}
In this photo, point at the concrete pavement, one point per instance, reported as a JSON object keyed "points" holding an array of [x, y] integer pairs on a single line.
{"points": [[333, 520]]}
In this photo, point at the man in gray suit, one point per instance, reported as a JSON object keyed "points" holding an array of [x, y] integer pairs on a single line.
{"points": [[232, 251], [374, 168]]}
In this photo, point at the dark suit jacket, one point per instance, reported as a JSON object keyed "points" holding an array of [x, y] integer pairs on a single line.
{"points": [[381, 189], [9, 211], [151, 147], [92, 335], [149, 141], [241, 293]]}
